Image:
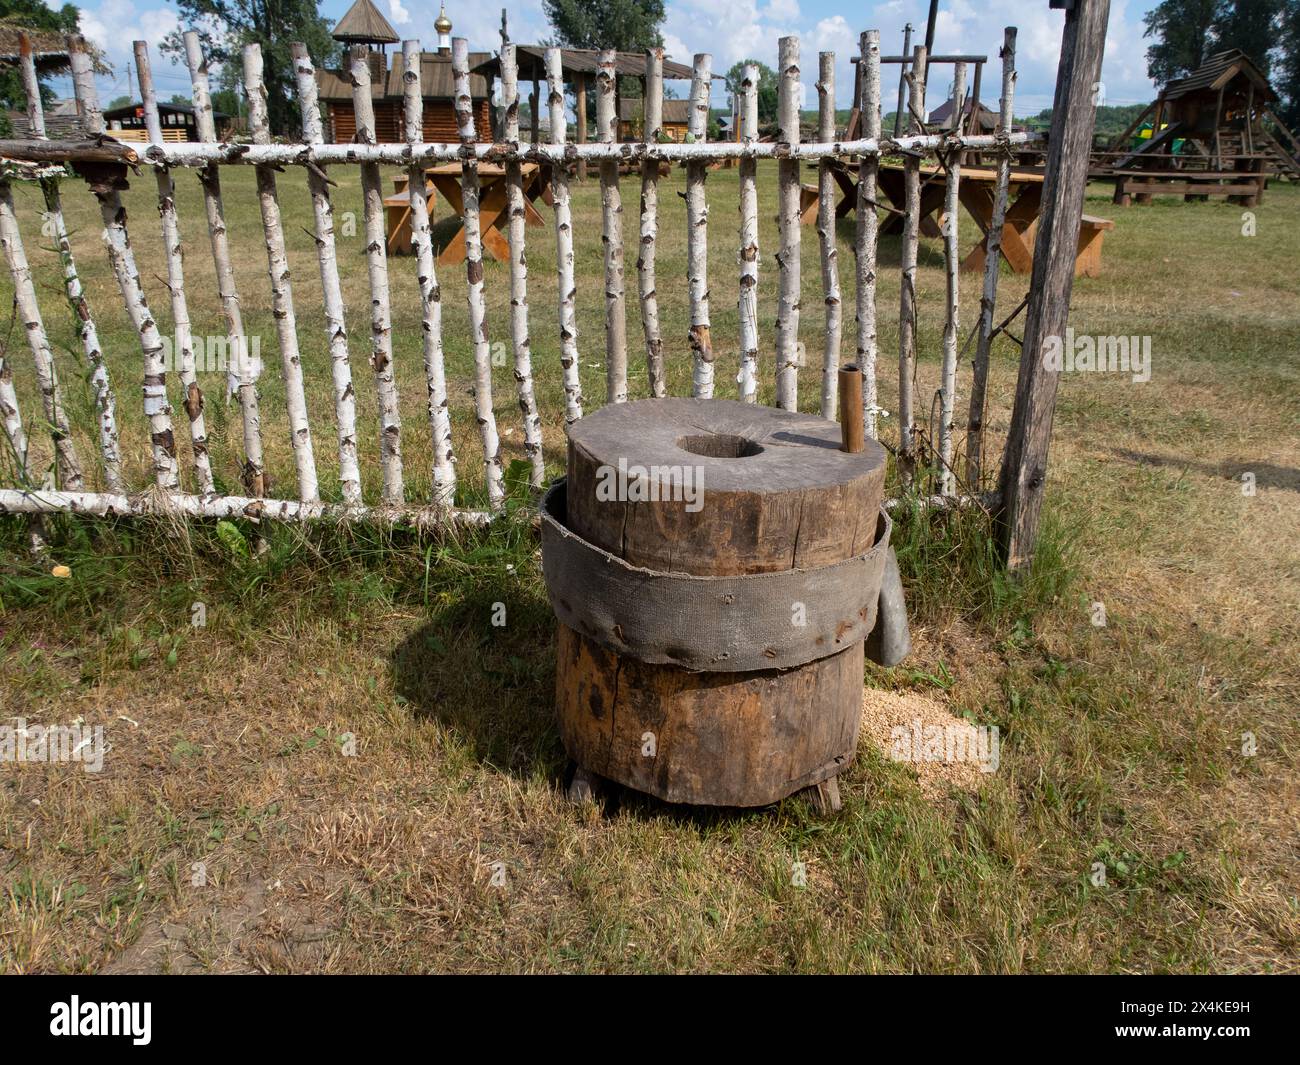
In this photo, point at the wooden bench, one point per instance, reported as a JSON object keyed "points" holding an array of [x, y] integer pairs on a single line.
{"points": [[809, 201], [1245, 188], [1087, 260]]}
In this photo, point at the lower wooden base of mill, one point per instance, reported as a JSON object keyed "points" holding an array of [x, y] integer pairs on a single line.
{"points": [[711, 739]]}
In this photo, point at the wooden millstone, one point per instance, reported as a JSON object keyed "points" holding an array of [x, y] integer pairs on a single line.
{"points": [[776, 493]]}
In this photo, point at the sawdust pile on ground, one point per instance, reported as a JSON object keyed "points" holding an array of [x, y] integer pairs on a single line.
{"points": [[955, 744]]}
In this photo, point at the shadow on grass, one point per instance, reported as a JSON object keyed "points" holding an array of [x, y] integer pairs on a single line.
{"points": [[495, 686], [492, 683], [1267, 474]]}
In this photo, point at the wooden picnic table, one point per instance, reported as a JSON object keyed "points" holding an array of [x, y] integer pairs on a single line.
{"points": [[1024, 204], [444, 180]]}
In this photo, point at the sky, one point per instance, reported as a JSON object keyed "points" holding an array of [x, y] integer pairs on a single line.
{"points": [[730, 29]]}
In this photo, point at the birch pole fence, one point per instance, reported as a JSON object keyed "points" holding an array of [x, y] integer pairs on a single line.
{"points": [[106, 184], [992, 264], [318, 184], [277, 265], [826, 237], [868, 229], [611, 210], [907, 288], [787, 257], [515, 208], [245, 366], [748, 300], [652, 122], [469, 185], [55, 225], [435, 370], [697, 234], [182, 333], [567, 285], [381, 324], [104, 163], [952, 265]]}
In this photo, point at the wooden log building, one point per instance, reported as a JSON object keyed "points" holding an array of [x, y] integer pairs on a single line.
{"points": [[631, 119], [363, 24]]}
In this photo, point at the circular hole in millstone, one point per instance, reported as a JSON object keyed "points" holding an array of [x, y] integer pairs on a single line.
{"points": [[719, 446]]}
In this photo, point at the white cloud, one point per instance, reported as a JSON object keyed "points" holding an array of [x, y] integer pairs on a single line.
{"points": [[731, 30]]}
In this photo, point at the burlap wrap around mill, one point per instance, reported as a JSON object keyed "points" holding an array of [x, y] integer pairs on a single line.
{"points": [[662, 489]]}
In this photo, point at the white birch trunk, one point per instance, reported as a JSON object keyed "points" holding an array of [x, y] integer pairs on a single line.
{"points": [[611, 207], [788, 257], [907, 296], [67, 465], [992, 262], [697, 235], [645, 260], [122, 260], [183, 339], [435, 371], [469, 184], [868, 230], [381, 321], [11, 415], [826, 238], [515, 207], [345, 403], [748, 301], [277, 265], [243, 374], [54, 224], [951, 262], [568, 293]]}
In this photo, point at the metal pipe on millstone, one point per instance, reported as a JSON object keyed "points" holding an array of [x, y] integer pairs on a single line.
{"points": [[716, 569]]}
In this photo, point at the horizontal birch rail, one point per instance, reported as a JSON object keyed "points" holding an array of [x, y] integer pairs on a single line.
{"points": [[194, 154], [177, 505]]}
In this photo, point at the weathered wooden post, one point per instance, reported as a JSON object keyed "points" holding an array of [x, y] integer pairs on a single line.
{"points": [[1024, 463]]}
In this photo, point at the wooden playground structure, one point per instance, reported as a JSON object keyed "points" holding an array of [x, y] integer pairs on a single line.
{"points": [[1212, 133]]}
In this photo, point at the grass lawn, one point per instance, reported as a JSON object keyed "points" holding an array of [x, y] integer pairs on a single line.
{"points": [[231, 829]]}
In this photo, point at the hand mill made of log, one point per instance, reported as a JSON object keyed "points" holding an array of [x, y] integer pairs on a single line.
{"points": [[717, 568]]}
